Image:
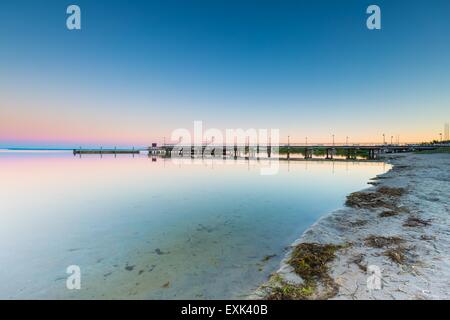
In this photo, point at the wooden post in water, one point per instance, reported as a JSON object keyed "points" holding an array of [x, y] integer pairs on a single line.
{"points": [[288, 149], [247, 147]]}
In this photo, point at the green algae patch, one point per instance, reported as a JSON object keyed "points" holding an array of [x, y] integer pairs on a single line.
{"points": [[281, 290], [290, 292], [310, 260]]}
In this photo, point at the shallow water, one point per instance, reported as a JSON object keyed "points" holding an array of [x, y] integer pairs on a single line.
{"points": [[139, 228]]}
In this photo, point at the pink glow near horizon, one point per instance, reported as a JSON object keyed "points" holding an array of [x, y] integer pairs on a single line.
{"points": [[37, 126]]}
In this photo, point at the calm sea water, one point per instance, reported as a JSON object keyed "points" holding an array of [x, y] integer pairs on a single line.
{"points": [[144, 229]]}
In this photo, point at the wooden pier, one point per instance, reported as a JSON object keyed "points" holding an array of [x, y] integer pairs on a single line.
{"points": [[329, 151], [105, 151]]}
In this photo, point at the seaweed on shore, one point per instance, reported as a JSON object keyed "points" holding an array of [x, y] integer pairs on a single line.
{"points": [[388, 213], [366, 200], [382, 242], [395, 250], [358, 260], [397, 254], [358, 223], [310, 261], [281, 290], [426, 237], [383, 197], [395, 192], [416, 222]]}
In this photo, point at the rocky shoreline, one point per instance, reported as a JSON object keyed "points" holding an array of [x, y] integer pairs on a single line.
{"points": [[390, 241]]}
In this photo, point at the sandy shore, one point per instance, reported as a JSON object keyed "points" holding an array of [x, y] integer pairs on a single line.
{"points": [[398, 231]]}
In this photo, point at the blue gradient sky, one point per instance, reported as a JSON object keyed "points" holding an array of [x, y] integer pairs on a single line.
{"points": [[139, 69]]}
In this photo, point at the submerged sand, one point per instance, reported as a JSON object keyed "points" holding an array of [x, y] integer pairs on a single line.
{"points": [[398, 231]]}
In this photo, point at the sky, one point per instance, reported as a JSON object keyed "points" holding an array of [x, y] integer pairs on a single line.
{"points": [[138, 70]]}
